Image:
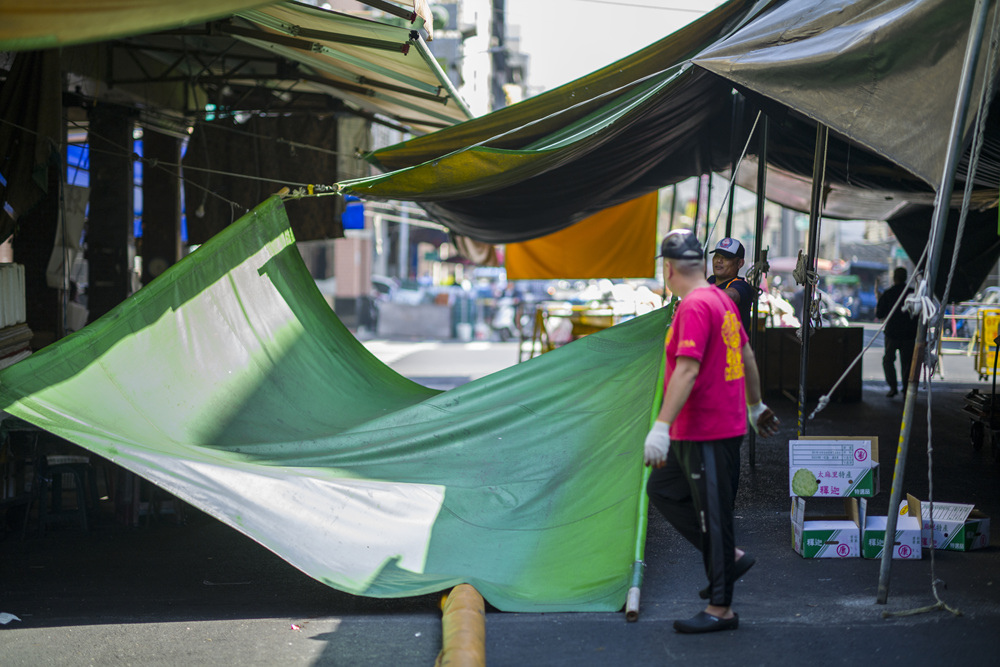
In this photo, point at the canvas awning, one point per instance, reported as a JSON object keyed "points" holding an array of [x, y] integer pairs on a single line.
{"points": [[288, 47], [380, 67]]}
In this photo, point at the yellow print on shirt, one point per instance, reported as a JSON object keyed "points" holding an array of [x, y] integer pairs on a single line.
{"points": [[734, 354]]}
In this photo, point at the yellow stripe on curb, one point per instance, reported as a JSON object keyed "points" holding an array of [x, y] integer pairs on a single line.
{"points": [[463, 628]]}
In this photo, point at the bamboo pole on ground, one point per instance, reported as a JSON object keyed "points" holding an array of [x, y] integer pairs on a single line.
{"points": [[463, 628]]}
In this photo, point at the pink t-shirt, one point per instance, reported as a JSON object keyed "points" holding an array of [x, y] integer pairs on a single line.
{"points": [[707, 327]]}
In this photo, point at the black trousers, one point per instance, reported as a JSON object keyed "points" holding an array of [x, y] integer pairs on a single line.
{"points": [[905, 347], [696, 492]]}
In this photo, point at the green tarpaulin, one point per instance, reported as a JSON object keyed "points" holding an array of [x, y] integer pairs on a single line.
{"points": [[230, 383]]}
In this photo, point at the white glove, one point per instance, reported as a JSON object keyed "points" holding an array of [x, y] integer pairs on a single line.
{"points": [[767, 426], [657, 444]]}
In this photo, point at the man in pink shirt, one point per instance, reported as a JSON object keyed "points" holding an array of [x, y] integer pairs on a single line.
{"points": [[711, 387]]}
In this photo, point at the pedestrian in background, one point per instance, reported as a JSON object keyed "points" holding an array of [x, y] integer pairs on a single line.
{"points": [[900, 332], [711, 386]]}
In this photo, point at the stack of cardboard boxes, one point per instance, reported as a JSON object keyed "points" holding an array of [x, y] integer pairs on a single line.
{"points": [[847, 469], [822, 469]]}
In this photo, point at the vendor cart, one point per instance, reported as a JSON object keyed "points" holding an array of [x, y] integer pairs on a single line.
{"points": [[986, 333], [984, 409]]}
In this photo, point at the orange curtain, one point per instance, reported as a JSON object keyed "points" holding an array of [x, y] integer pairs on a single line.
{"points": [[618, 242]]}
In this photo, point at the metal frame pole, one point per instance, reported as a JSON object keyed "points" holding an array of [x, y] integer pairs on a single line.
{"points": [[673, 205], [936, 243], [815, 213], [697, 207], [734, 157], [758, 233], [708, 206]]}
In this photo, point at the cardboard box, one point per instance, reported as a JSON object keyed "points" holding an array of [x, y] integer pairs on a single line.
{"points": [[826, 536], [907, 542], [957, 527], [839, 467]]}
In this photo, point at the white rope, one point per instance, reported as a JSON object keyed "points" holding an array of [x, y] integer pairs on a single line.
{"points": [[920, 303], [940, 604], [928, 376]]}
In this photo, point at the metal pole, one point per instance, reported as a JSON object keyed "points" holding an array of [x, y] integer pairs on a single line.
{"points": [[673, 205], [734, 157], [432, 63], [708, 206], [936, 242], [697, 207], [758, 233], [815, 213]]}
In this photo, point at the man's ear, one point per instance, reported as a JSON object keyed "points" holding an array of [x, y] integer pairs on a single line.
{"points": [[741, 263]]}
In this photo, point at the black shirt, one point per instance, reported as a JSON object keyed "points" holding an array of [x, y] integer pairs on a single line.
{"points": [[745, 291], [901, 325]]}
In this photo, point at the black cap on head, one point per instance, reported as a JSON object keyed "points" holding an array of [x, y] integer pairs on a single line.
{"points": [[681, 244]]}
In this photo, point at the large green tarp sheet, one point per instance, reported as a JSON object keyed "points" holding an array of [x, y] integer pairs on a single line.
{"points": [[230, 383]]}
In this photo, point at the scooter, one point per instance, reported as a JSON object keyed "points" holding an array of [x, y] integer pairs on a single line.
{"points": [[507, 320]]}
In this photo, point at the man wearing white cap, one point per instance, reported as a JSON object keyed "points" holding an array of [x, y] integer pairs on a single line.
{"points": [[727, 260]]}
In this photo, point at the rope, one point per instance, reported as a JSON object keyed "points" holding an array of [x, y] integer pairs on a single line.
{"points": [[802, 273], [939, 604], [921, 303], [757, 270]]}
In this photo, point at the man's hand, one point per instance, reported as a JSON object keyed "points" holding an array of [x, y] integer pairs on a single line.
{"points": [[657, 444], [763, 419]]}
